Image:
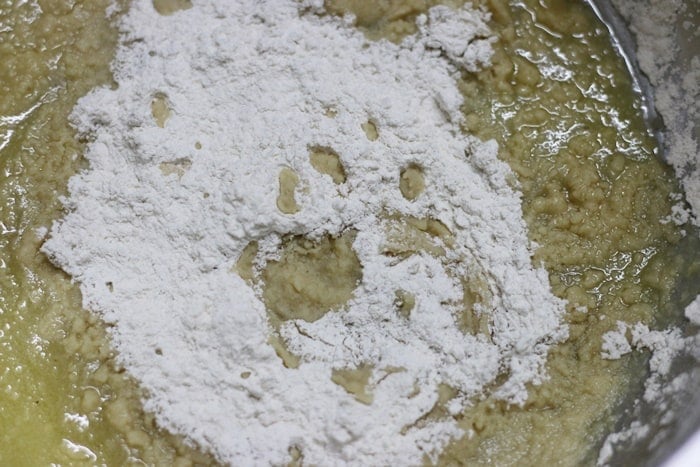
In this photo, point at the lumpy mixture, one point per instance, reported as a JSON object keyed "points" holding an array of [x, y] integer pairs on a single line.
{"points": [[62, 398], [557, 99]]}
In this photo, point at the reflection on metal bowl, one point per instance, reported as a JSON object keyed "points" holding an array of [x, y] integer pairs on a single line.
{"points": [[667, 431]]}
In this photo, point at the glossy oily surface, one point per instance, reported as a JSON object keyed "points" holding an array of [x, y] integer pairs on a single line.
{"points": [[557, 100]]}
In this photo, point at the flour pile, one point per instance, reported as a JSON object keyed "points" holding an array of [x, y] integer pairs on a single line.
{"points": [[158, 222]]}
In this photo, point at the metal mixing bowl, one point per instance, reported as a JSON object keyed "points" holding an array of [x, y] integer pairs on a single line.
{"points": [[669, 442]]}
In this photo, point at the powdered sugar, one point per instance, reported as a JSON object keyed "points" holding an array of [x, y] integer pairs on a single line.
{"points": [[251, 86], [615, 343], [444, 30], [692, 311]]}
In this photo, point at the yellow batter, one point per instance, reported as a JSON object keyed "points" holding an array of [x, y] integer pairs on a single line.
{"points": [[593, 196]]}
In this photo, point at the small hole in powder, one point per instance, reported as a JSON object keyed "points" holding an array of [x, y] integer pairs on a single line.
{"points": [[160, 109], [168, 7], [198, 145], [296, 456], [404, 302], [370, 130], [245, 374], [205, 195], [330, 112], [110, 286], [175, 167], [159, 351], [326, 161], [412, 182], [288, 181], [355, 381]]}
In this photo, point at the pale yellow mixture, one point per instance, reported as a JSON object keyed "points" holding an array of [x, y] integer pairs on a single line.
{"points": [[57, 370], [593, 198]]}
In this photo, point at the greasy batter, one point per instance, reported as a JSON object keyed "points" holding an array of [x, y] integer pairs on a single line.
{"points": [[558, 101]]}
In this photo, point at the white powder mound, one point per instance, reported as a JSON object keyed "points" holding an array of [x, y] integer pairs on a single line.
{"points": [[692, 311], [250, 85], [615, 343]]}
